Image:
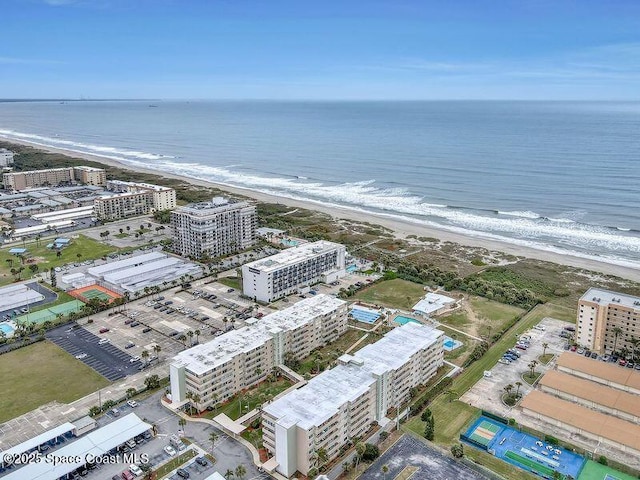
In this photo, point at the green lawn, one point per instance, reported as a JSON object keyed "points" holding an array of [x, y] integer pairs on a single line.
{"points": [[595, 471], [395, 293], [251, 399], [330, 352], [457, 320], [490, 317], [546, 358], [40, 373], [530, 379], [497, 312], [87, 248], [233, 282], [63, 297]]}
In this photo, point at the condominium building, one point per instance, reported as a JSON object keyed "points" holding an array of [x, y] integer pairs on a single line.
{"points": [[238, 359], [219, 227], [607, 321], [277, 276], [90, 175], [133, 199], [343, 402], [6, 157], [52, 177]]}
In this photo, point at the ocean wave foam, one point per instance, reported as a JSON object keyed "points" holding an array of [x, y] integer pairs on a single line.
{"points": [[80, 147], [526, 214]]}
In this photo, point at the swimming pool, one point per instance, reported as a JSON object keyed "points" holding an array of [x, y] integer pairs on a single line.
{"points": [[404, 320], [7, 329], [451, 344], [351, 268], [287, 242], [365, 315]]}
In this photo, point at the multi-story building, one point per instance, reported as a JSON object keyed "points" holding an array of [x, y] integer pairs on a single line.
{"points": [[219, 227], [133, 199], [275, 277], [607, 321], [238, 359], [343, 402], [6, 157], [52, 177], [90, 175]]}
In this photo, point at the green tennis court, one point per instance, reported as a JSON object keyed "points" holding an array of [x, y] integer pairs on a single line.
{"points": [[51, 313], [95, 293], [596, 471], [541, 470], [484, 432]]}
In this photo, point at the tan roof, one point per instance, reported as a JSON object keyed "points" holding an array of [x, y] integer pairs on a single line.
{"points": [[606, 371], [593, 392], [582, 418]]}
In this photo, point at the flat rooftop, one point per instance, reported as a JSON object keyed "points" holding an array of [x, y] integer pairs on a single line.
{"points": [[293, 255], [607, 297], [212, 207], [582, 418], [321, 398], [109, 267], [202, 358], [604, 372], [593, 392]]}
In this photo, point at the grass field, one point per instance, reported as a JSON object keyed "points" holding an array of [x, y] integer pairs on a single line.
{"points": [[595, 471], [232, 282], [395, 293], [40, 373], [174, 463], [452, 417], [483, 317], [87, 248]]}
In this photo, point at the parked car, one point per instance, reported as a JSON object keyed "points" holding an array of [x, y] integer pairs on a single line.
{"points": [[130, 345], [146, 330], [580, 351], [104, 330], [182, 473], [231, 290], [622, 362], [504, 361], [115, 412], [80, 356], [573, 348], [134, 359], [202, 461], [135, 469], [127, 475], [594, 355], [521, 347], [132, 403], [169, 450]]}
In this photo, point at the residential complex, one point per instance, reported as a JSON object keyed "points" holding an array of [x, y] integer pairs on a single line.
{"points": [[343, 402], [52, 177], [236, 360], [133, 199], [590, 398], [215, 228], [607, 321], [277, 276], [6, 158]]}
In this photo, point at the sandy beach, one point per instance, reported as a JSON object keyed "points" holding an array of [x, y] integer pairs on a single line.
{"points": [[399, 227]]}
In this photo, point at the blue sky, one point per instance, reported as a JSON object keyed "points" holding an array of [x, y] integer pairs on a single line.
{"points": [[376, 49]]}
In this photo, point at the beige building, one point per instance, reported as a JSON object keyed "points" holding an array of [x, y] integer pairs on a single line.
{"points": [[238, 359], [133, 199], [343, 402], [6, 157], [607, 321], [219, 227], [53, 177]]}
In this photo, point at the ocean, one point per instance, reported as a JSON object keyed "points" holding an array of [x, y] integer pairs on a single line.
{"points": [[557, 176]]}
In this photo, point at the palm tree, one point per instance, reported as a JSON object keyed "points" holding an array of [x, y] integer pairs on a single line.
{"points": [[518, 385], [385, 470], [213, 438], [228, 474], [197, 333], [544, 348], [182, 422], [322, 455], [190, 335], [360, 449], [196, 399], [532, 366], [183, 339], [634, 343], [241, 471], [145, 356], [156, 349], [508, 388], [616, 331]]}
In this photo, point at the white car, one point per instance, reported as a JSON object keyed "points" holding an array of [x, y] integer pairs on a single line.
{"points": [[103, 341], [80, 356], [134, 359], [132, 403], [135, 469], [504, 361], [169, 450]]}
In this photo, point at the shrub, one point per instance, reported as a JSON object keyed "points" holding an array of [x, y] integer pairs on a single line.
{"points": [[384, 435], [477, 353], [512, 421], [551, 440], [371, 452], [602, 460], [457, 450]]}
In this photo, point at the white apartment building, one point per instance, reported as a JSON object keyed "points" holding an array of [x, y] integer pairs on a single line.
{"points": [[238, 359], [219, 227], [607, 321], [271, 278], [343, 402], [133, 199], [6, 157], [52, 177]]}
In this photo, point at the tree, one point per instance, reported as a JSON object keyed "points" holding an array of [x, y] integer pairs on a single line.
{"points": [[197, 333], [241, 471], [213, 438], [228, 474], [145, 356], [385, 470], [360, 449], [518, 385], [532, 366], [457, 450], [508, 388], [156, 349], [131, 392], [544, 348], [152, 381], [182, 422], [616, 331]]}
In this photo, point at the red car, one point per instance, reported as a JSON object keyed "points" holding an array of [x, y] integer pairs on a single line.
{"points": [[104, 330], [574, 348], [127, 475]]}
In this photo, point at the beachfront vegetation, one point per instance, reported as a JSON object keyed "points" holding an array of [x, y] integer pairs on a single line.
{"points": [[41, 373], [393, 293]]}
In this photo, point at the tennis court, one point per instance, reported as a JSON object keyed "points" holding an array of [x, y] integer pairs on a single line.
{"points": [[596, 471], [524, 451], [94, 291], [51, 313]]}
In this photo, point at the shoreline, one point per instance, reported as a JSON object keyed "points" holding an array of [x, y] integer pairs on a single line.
{"points": [[401, 228]]}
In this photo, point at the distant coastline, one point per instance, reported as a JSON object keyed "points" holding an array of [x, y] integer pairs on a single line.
{"points": [[401, 228]]}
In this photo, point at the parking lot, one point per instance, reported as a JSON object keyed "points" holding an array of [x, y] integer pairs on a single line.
{"points": [[49, 297], [106, 359], [154, 232], [488, 391], [409, 452]]}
